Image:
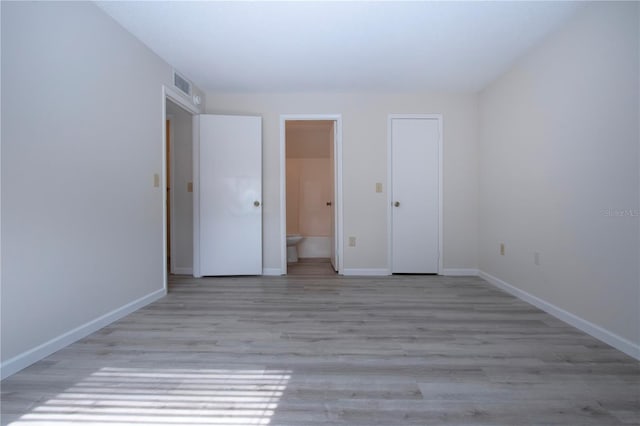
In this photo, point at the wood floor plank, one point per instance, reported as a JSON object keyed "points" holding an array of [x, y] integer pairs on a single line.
{"points": [[315, 349]]}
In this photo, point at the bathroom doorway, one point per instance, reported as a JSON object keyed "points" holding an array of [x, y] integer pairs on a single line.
{"points": [[310, 197]]}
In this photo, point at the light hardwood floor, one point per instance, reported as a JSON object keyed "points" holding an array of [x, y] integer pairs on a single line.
{"points": [[402, 350]]}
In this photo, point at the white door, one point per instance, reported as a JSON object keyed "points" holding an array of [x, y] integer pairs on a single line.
{"points": [[228, 195], [332, 200], [414, 195]]}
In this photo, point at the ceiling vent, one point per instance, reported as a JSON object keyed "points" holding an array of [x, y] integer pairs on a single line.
{"points": [[182, 83]]}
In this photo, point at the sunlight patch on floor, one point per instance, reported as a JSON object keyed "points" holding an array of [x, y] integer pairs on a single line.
{"points": [[142, 396]]}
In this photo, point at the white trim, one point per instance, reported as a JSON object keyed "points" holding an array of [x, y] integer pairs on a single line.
{"points": [[366, 272], [33, 355], [440, 186], [460, 272], [338, 201], [182, 271], [163, 188], [175, 97], [271, 271], [283, 195], [630, 348], [1, 157], [178, 98], [389, 200], [172, 240], [196, 195], [440, 192]]}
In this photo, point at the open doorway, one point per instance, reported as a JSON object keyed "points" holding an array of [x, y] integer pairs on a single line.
{"points": [[177, 114], [179, 189], [311, 194]]}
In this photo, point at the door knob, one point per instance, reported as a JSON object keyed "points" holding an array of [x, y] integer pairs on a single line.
{"points": [[256, 203], [397, 204], [328, 203]]}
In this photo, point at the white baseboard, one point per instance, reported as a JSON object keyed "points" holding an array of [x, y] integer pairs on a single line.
{"points": [[182, 271], [271, 271], [618, 342], [31, 356], [459, 272], [366, 272]]}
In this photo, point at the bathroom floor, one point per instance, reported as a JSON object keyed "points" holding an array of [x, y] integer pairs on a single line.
{"points": [[310, 266]]}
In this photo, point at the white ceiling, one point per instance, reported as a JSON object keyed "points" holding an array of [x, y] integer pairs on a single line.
{"points": [[340, 46]]}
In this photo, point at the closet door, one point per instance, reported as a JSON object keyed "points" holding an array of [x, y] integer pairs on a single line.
{"points": [[227, 195], [414, 195]]}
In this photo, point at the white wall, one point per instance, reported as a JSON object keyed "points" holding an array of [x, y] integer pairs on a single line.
{"points": [[559, 149], [182, 162], [365, 163], [81, 141]]}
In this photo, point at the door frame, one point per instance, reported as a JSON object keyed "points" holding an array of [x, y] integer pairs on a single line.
{"points": [[337, 183], [392, 117], [171, 245], [176, 97]]}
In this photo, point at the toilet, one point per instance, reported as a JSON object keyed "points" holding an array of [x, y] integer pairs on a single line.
{"points": [[292, 249]]}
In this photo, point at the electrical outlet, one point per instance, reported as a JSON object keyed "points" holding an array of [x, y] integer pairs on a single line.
{"points": [[352, 241], [501, 249], [536, 258]]}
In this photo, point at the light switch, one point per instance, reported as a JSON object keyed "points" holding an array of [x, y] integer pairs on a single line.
{"points": [[189, 186], [156, 180], [378, 186], [352, 241]]}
